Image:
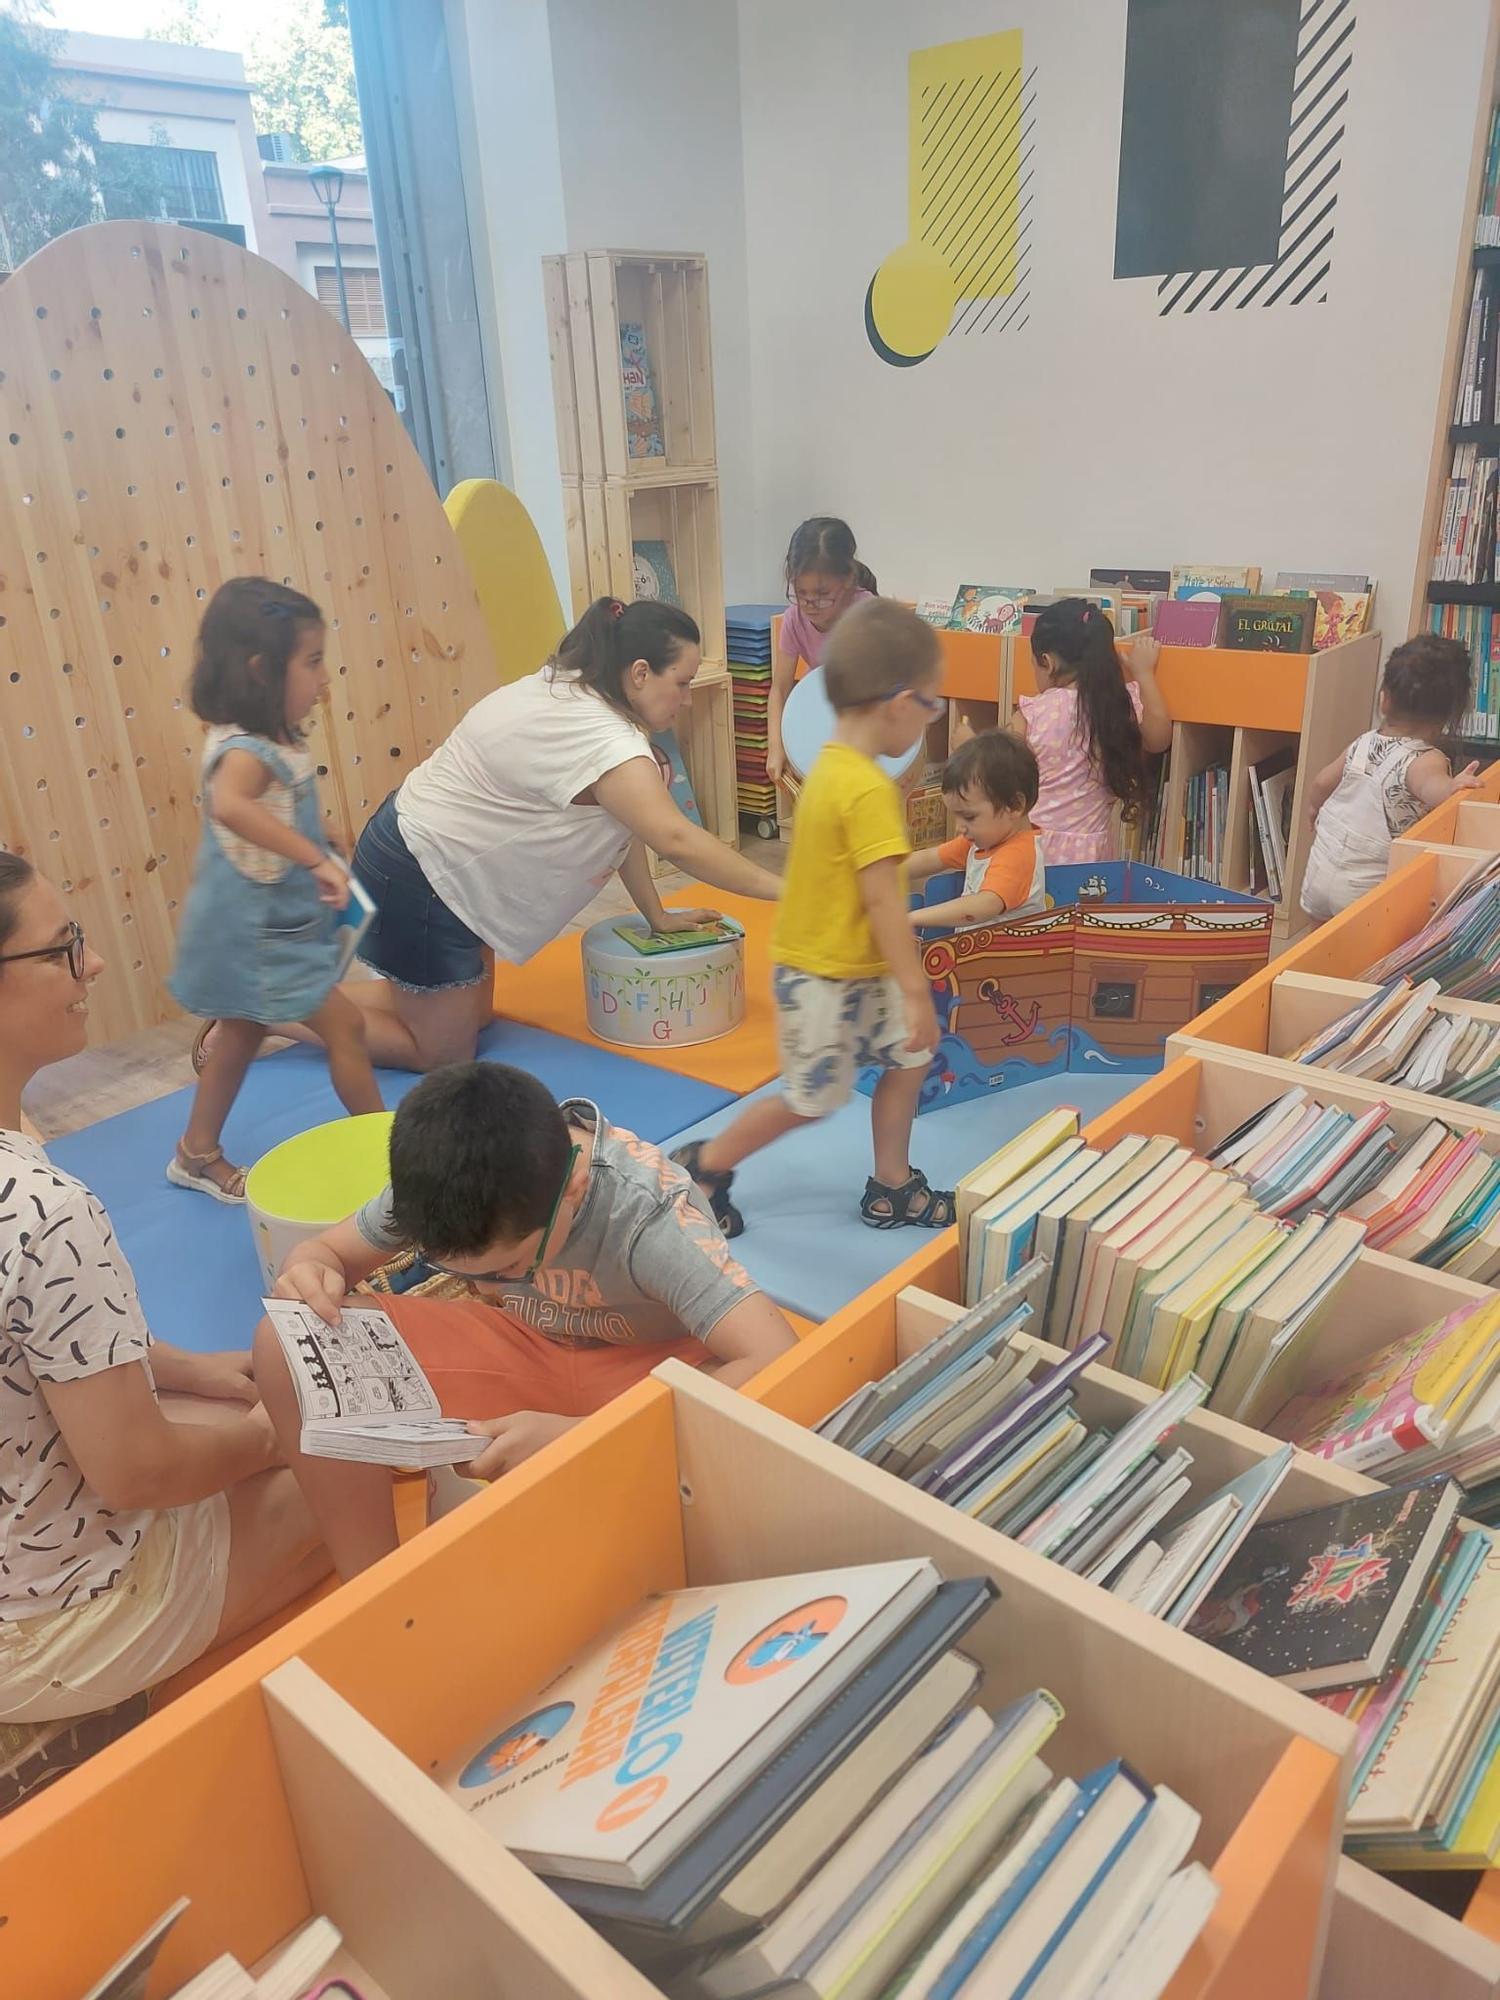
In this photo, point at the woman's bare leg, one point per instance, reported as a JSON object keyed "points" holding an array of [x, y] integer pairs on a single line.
{"points": [[417, 1031]]}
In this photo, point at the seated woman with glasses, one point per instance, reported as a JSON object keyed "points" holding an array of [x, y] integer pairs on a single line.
{"points": [[130, 1542], [592, 1258], [823, 578]]}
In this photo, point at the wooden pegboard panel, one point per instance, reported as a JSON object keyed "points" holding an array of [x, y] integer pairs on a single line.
{"points": [[175, 411]]}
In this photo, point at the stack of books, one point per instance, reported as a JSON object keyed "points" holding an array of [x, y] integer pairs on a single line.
{"points": [[1428, 1403], [1145, 839], [1169, 1257], [789, 1785], [1459, 947], [1465, 550], [749, 629], [1474, 398], [1477, 629], [1205, 818], [1487, 222], [1273, 780], [1404, 1034], [990, 1425], [291, 1972]]}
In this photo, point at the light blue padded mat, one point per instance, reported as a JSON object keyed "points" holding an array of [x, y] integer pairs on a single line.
{"points": [[193, 1259], [804, 1242]]}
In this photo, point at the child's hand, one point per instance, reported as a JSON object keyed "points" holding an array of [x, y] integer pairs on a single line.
{"points": [[1145, 651], [775, 763], [922, 1030], [512, 1440], [673, 921], [1466, 779], [332, 881]]}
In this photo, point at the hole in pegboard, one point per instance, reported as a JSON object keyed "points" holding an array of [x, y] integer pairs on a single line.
{"points": [[239, 312], [54, 374], [109, 374]]}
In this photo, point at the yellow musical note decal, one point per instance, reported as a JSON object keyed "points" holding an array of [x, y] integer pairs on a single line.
{"points": [[968, 142]]}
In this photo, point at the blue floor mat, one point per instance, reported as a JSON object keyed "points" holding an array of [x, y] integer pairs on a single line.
{"points": [[804, 1243], [193, 1259]]}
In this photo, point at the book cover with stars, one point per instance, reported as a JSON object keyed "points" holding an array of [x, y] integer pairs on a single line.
{"points": [[1321, 1599], [608, 1772]]}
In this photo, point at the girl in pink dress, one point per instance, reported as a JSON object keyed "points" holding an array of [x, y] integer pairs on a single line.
{"points": [[1089, 729], [824, 577]]}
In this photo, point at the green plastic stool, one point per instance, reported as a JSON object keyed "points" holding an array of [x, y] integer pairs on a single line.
{"points": [[315, 1179]]}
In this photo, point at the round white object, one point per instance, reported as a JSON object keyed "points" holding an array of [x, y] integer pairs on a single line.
{"points": [[313, 1180], [807, 724], [667, 1000]]}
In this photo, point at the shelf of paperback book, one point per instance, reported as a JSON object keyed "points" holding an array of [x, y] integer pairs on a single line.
{"points": [[403, 1673]]}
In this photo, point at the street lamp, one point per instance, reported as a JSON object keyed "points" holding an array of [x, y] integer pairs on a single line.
{"points": [[327, 184]]}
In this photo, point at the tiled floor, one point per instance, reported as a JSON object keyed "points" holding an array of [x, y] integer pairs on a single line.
{"points": [[103, 1081]]}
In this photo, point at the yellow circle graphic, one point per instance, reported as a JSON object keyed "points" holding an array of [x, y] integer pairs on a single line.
{"points": [[910, 304]]}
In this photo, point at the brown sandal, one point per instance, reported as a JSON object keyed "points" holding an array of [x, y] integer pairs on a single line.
{"points": [[196, 1171], [200, 1047]]}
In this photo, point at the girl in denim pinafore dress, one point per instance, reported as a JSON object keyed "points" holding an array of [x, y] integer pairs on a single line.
{"points": [[258, 949]]}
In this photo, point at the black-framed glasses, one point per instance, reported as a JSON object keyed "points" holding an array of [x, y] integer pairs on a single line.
{"points": [[809, 602], [511, 1277], [73, 948]]}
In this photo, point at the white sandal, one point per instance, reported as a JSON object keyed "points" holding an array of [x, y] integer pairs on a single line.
{"points": [[193, 1170]]}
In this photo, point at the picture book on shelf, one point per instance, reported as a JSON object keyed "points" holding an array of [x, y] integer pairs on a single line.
{"points": [[936, 611], [1214, 579], [1321, 1599], [655, 579], [1144, 581], [988, 607], [1188, 621], [643, 436], [362, 1393], [614, 1767], [1275, 624]]}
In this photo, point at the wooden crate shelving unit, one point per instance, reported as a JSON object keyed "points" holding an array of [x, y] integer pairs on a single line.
{"points": [[612, 501]]}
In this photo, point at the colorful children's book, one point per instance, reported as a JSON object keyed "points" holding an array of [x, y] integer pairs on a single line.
{"points": [[643, 438], [936, 611], [655, 578], [616, 1765], [1276, 624], [1214, 579], [1321, 1599], [352, 921], [655, 944], [988, 607]]}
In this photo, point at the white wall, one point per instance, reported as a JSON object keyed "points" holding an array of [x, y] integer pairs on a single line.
{"points": [[648, 119], [1102, 433]]}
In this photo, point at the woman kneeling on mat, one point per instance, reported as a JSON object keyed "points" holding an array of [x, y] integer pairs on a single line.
{"points": [[129, 1543], [491, 847]]}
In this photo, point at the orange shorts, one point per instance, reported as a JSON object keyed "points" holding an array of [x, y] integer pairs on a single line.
{"points": [[483, 1363]]}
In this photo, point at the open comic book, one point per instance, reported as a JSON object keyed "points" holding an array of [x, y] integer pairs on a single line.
{"points": [[362, 1393]]}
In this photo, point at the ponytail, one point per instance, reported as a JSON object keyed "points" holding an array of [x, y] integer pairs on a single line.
{"points": [[612, 635], [826, 544], [1080, 635]]}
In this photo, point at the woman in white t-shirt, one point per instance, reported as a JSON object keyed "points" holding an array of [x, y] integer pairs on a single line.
{"points": [[130, 1543], [491, 847]]}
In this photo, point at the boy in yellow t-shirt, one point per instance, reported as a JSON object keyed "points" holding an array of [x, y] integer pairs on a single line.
{"points": [[848, 979]]}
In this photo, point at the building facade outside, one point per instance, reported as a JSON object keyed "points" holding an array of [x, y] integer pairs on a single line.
{"points": [[192, 108]]}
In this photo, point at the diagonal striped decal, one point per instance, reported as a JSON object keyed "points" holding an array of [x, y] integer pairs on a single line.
{"points": [[1314, 161]]}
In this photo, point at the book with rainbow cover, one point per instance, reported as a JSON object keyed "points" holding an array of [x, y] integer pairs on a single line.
{"points": [[610, 1770]]}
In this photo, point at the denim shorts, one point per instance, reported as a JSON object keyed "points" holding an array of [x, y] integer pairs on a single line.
{"points": [[414, 939]]}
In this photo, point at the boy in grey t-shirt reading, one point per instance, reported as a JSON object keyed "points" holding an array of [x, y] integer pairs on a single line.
{"points": [[594, 1258]]}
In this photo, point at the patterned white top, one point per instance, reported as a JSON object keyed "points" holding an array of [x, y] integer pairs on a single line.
{"points": [[258, 864], [68, 1308]]}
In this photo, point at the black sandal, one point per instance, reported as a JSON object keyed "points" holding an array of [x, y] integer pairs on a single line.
{"points": [[715, 1187], [886, 1207]]}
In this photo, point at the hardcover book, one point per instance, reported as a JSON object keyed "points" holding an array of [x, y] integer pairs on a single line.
{"points": [[654, 576], [1214, 579], [988, 607], [1268, 624], [612, 1768], [1320, 1599], [643, 438], [651, 944], [1188, 621]]}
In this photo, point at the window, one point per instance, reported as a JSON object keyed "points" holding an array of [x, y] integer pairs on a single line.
{"points": [[1114, 1000], [170, 183], [362, 289], [1211, 991]]}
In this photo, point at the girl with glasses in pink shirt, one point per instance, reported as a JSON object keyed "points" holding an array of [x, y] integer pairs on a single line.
{"points": [[823, 578]]}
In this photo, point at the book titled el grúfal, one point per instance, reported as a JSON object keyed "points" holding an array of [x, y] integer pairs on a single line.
{"points": [[1279, 624], [617, 1764], [1320, 1599]]}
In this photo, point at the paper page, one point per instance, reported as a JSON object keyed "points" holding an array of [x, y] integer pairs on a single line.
{"points": [[360, 1369]]}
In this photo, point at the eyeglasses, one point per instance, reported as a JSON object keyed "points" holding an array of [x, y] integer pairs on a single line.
{"points": [[528, 1276], [73, 949], [809, 602], [934, 704]]}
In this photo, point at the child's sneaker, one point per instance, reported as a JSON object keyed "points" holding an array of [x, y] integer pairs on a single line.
{"points": [[714, 1186]]}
